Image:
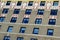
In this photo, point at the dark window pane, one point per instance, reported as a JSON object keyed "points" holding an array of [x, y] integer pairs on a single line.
{"points": [[38, 21], [30, 3], [50, 32], [22, 29], [5, 10], [25, 20], [19, 3], [42, 3], [16, 11], [28, 11], [10, 28], [6, 38], [52, 21], [2, 19], [20, 38], [8, 3], [55, 3], [34, 39], [40, 11], [53, 12], [13, 19], [35, 30]]}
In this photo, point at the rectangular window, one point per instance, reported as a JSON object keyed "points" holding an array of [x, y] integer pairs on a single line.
{"points": [[28, 11], [25, 20], [34, 39], [20, 38], [40, 12], [16, 11], [30, 3], [50, 32], [35, 30], [6, 38], [5, 10], [52, 21], [53, 12], [10, 28], [13, 19], [55, 3], [0, 26], [42, 3], [38, 21], [2, 19], [22, 30], [8, 3], [19, 3]]}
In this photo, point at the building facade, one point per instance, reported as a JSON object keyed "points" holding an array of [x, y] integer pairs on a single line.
{"points": [[29, 20]]}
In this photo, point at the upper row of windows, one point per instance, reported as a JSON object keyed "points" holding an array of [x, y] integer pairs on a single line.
{"points": [[42, 3], [28, 11]]}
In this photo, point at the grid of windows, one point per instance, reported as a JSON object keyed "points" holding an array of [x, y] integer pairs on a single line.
{"points": [[30, 3], [13, 19], [55, 3], [5, 10], [19, 3], [10, 28], [8, 3], [38, 21], [35, 30], [22, 30], [2, 19], [42, 3], [16, 11], [52, 21], [6, 38], [50, 32]]}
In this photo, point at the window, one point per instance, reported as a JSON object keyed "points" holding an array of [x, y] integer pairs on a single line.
{"points": [[22, 29], [38, 21], [28, 11], [55, 3], [16, 11], [52, 21], [40, 11], [42, 3], [6, 38], [35, 30], [5, 10], [0, 26], [2, 19], [34, 39], [53, 12], [19, 3], [8, 3], [13, 19], [20, 38], [50, 32], [25, 20], [10, 28], [30, 3]]}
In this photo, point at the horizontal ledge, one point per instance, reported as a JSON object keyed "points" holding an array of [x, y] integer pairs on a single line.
{"points": [[30, 24], [30, 35]]}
